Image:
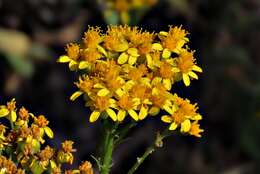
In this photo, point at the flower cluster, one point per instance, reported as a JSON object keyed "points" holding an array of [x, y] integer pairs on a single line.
{"points": [[22, 148], [130, 72], [124, 7]]}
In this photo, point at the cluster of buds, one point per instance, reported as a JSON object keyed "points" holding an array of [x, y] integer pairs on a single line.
{"points": [[22, 145], [130, 72]]}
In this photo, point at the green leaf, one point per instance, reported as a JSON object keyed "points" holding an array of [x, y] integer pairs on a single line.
{"points": [[111, 17], [21, 65]]}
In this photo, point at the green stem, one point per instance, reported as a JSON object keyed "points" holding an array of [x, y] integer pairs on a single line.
{"points": [[12, 124], [108, 148], [107, 160], [140, 160], [157, 144]]}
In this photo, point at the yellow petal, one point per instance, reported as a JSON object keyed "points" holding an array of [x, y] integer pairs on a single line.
{"points": [[120, 92], [122, 58], [112, 101], [167, 84], [48, 132], [185, 126], [154, 111], [41, 132], [133, 114], [177, 50], [143, 113], [122, 47], [98, 85], [174, 108], [156, 80], [128, 85], [146, 81], [103, 92], [4, 112], [157, 46], [163, 33], [149, 60], [73, 65], [186, 79], [36, 144], [75, 95], [166, 119], [121, 115], [147, 101], [112, 114], [94, 116], [13, 116], [193, 75], [102, 50], [155, 91], [52, 164], [133, 52], [166, 53], [136, 101], [197, 117], [173, 126], [196, 68], [132, 60], [174, 69], [180, 44], [84, 65], [168, 109], [64, 59]]}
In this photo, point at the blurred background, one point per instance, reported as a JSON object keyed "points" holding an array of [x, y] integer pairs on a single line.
{"points": [[226, 37]]}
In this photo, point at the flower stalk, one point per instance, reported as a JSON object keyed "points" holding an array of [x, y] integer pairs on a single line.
{"points": [[158, 143], [108, 146], [108, 151]]}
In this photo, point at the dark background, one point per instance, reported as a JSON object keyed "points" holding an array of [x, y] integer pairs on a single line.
{"points": [[226, 37]]}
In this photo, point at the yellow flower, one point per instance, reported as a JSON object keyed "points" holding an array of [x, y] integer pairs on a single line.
{"points": [[142, 94], [186, 65], [173, 40], [182, 112], [125, 105], [115, 39], [137, 73], [167, 72], [92, 37], [42, 122], [160, 97], [72, 57], [153, 59], [90, 55], [9, 110], [102, 104], [86, 168], [195, 129]]}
